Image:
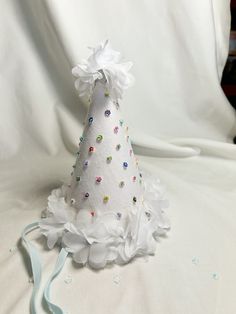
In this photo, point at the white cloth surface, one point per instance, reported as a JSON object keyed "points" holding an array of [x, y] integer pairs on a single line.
{"points": [[181, 125]]}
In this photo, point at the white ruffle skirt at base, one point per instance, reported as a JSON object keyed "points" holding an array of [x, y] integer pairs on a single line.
{"points": [[101, 238]]}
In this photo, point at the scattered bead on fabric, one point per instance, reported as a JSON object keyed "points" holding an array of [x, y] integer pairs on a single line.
{"points": [[118, 146], [121, 122], [125, 164], [107, 113], [99, 138], [86, 195], [78, 153], [105, 199], [77, 178], [116, 129], [106, 94], [134, 199], [134, 178], [81, 139], [73, 166], [148, 214], [98, 179], [92, 213], [91, 149]]}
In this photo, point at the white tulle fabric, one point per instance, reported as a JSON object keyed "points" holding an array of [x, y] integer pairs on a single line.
{"points": [[104, 238], [103, 62]]}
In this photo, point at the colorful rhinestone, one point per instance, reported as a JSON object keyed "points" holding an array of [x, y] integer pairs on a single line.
{"points": [[72, 201], [90, 120], [118, 215], [107, 113], [99, 138], [86, 163], [125, 164], [105, 199], [98, 179], [121, 122], [109, 159], [116, 129], [122, 184], [91, 149]]}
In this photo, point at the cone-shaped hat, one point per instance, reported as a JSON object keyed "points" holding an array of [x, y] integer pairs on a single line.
{"points": [[111, 211]]}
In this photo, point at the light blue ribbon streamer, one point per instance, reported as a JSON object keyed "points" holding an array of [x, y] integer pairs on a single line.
{"points": [[46, 294], [37, 272], [35, 264]]}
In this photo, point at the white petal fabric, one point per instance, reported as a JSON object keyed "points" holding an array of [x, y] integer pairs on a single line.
{"points": [[103, 63], [107, 239]]}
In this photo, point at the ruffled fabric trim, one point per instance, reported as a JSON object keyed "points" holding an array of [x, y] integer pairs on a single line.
{"points": [[103, 64], [106, 237]]}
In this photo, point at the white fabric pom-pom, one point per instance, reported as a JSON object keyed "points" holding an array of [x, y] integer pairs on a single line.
{"points": [[103, 63]]}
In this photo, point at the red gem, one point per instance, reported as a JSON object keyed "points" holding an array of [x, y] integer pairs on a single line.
{"points": [[91, 149]]}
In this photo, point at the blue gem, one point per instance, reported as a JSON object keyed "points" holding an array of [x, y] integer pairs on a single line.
{"points": [[86, 162], [90, 120], [125, 164], [107, 113]]}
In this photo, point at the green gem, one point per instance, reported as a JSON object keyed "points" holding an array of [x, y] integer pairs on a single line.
{"points": [[99, 138], [109, 159]]}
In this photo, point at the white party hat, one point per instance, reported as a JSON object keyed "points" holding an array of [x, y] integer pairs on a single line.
{"points": [[111, 211]]}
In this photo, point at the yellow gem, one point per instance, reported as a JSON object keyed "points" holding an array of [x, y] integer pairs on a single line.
{"points": [[105, 199]]}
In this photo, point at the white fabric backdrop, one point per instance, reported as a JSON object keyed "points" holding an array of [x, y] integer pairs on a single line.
{"points": [[180, 122]]}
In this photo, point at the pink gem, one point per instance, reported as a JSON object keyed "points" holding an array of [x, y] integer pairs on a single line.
{"points": [[134, 178], [92, 213], [116, 129], [98, 179]]}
